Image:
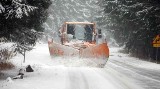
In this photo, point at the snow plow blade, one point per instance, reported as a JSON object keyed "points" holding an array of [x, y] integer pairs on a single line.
{"points": [[97, 54], [56, 49], [95, 51]]}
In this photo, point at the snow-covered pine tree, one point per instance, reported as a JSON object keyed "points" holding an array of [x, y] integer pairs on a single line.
{"points": [[21, 21], [2, 9], [133, 23], [15, 8]]}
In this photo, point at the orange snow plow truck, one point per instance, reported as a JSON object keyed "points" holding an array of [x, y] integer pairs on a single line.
{"points": [[80, 39]]}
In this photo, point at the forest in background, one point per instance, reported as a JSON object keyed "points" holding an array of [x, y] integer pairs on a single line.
{"points": [[133, 23]]}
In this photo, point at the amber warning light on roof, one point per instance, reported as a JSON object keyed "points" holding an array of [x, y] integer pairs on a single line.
{"points": [[156, 41]]}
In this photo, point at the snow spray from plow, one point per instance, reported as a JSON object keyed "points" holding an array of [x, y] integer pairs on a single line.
{"points": [[90, 48]]}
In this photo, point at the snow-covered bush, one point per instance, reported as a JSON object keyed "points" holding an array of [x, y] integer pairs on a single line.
{"points": [[7, 51], [6, 65]]}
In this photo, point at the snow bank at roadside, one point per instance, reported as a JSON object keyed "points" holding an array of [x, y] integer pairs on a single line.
{"points": [[125, 58]]}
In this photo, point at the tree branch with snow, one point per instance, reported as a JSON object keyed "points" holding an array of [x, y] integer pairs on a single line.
{"points": [[17, 10]]}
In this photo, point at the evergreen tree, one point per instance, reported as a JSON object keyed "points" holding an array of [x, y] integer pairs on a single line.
{"points": [[134, 23], [21, 21]]}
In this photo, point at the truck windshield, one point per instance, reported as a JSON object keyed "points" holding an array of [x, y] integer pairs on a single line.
{"points": [[80, 32]]}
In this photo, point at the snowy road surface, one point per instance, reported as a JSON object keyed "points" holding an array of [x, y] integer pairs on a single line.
{"points": [[120, 72]]}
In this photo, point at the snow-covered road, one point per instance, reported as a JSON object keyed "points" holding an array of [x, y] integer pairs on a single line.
{"points": [[120, 72]]}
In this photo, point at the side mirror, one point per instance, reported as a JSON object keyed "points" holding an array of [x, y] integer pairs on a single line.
{"points": [[99, 33]]}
